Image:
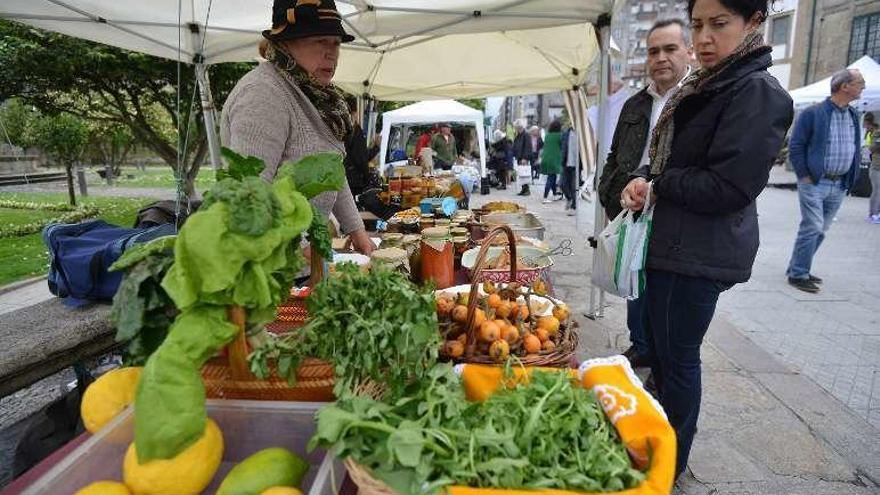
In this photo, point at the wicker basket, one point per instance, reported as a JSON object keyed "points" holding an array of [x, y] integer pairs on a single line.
{"points": [[560, 357], [367, 484], [229, 377]]}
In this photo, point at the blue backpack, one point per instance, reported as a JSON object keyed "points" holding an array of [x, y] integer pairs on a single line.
{"points": [[81, 253]]}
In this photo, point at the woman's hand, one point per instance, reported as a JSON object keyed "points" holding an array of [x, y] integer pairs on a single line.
{"points": [[634, 194], [361, 242]]}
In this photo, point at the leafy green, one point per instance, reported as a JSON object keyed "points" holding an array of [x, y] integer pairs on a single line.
{"points": [[253, 207], [547, 433], [315, 174], [170, 413], [319, 235], [239, 167], [376, 326], [142, 311]]}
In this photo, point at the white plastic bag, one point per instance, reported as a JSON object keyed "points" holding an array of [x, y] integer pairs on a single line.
{"points": [[605, 257]]}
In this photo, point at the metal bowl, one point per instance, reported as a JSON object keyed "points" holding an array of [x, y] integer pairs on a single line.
{"points": [[523, 276]]}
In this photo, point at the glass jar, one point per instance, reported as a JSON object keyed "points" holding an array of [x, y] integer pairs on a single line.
{"points": [[391, 239], [413, 246], [437, 257], [460, 245], [427, 220], [442, 222], [395, 259]]}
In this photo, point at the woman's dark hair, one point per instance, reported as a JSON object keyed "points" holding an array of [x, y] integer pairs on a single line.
{"points": [[744, 8], [352, 102], [555, 126]]}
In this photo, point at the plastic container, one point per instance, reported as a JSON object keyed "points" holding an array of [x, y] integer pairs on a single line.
{"points": [[248, 426]]}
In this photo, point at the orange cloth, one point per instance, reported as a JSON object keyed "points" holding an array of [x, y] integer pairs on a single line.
{"points": [[639, 420]]}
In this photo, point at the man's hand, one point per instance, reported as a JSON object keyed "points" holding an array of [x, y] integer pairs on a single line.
{"points": [[361, 242], [634, 194]]}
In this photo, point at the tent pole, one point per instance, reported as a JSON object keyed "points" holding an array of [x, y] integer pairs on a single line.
{"points": [[597, 296], [208, 113]]}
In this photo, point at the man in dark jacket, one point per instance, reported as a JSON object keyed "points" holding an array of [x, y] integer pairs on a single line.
{"points": [[522, 150], [357, 154], [824, 151], [668, 58]]}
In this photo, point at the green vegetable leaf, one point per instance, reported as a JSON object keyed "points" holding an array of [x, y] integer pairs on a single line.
{"points": [[238, 166], [315, 174], [139, 252], [252, 206], [170, 401], [319, 235], [406, 444]]}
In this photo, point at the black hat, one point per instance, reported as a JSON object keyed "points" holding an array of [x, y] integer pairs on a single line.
{"points": [[293, 19]]}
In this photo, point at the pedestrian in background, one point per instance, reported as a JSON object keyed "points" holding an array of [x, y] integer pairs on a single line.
{"points": [[824, 151], [872, 143], [669, 56], [522, 153], [571, 165], [443, 143], [551, 160], [536, 143], [501, 157], [710, 158]]}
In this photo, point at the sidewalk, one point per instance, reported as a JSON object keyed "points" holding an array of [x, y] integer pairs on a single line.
{"points": [[765, 427]]}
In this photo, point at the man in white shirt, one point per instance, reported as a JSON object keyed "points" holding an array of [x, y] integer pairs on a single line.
{"points": [[669, 56]]}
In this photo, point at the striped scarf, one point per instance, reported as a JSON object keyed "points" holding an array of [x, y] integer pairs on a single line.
{"points": [[328, 100], [664, 131]]}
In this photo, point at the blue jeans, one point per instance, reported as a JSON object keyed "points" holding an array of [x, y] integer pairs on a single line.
{"points": [[634, 310], [550, 185], [678, 310], [819, 204]]}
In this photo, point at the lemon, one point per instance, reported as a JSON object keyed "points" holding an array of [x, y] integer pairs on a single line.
{"points": [[273, 467], [108, 396], [187, 473], [105, 488], [282, 490]]}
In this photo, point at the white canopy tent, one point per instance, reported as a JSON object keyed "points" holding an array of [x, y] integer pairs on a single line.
{"points": [[818, 91], [432, 112], [404, 49]]}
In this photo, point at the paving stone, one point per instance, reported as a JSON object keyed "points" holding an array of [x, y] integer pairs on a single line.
{"points": [[735, 466]]}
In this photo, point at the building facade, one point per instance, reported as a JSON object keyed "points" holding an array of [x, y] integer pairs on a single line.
{"points": [[831, 35], [629, 31]]}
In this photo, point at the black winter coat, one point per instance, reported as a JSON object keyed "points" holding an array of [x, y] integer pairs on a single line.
{"points": [[627, 147], [357, 160], [726, 138], [522, 146]]}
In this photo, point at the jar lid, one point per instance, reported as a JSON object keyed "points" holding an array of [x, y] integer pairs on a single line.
{"points": [[442, 221], [459, 231], [460, 239], [435, 233], [410, 238], [389, 255], [391, 236]]}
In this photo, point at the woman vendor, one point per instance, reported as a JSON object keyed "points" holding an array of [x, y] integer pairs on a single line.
{"points": [[287, 107]]}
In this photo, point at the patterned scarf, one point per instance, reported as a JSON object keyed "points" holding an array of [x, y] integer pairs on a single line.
{"points": [[664, 131], [328, 100]]}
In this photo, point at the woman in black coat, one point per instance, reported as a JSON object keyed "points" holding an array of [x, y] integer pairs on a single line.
{"points": [[710, 157]]}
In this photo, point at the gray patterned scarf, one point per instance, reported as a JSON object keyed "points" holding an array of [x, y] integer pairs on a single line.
{"points": [[664, 131]]}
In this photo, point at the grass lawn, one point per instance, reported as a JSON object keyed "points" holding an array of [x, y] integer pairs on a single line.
{"points": [[24, 257], [160, 177]]}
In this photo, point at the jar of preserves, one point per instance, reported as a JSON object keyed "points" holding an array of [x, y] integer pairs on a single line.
{"points": [[437, 257], [391, 239], [460, 245], [395, 259]]}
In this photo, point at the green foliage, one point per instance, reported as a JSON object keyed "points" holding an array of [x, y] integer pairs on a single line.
{"points": [[238, 167], [253, 207], [73, 215], [57, 73], [315, 174], [319, 236], [543, 434], [142, 311], [376, 326], [62, 137], [26, 256], [18, 120]]}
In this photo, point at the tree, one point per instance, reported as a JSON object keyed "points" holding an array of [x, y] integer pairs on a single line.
{"points": [[110, 145], [17, 119], [100, 83], [63, 138]]}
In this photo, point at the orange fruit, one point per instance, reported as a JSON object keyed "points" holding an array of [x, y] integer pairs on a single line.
{"points": [[561, 312], [462, 338], [503, 310], [548, 345], [510, 334], [542, 335], [489, 287], [523, 311], [459, 313], [549, 323], [493, 300], [445, 306], [499, 350], [531, 344], [489, 331], [479, 317], [453, 348]]}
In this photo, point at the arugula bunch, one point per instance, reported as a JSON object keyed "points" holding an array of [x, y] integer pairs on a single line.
{"points": [[545, 433], [242, 248], [376, 326]]}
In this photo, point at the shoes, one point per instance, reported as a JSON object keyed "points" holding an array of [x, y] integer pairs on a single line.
{"points": [[803, 284], [875, 219], [816, 280], [525, 190], [571, 212], [558, 197], [635, 359], [547, 201]]}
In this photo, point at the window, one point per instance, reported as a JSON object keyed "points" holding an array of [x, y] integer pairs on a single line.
{"points": [[865, 37], [780, 30]]}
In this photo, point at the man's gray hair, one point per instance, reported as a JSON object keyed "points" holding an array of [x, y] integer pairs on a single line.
{"points": [[662, 23], [840, 78]]}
